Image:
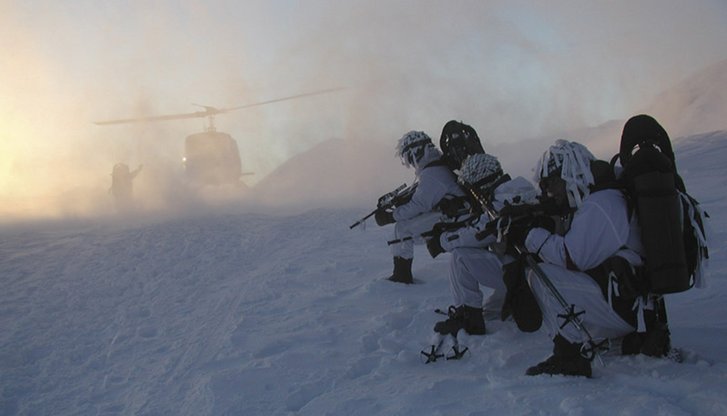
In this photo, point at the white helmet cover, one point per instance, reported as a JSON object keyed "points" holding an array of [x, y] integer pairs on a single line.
{"points": [[573, 160], [410, 147], [480, 170], [479, 173]]}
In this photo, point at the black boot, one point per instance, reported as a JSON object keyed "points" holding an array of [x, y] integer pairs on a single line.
{"points": [[462, 317], [566, 360], [402, 271], [656, 341]]}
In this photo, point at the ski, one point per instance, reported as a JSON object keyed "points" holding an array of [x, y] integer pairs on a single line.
{"points": [[437, 348]]}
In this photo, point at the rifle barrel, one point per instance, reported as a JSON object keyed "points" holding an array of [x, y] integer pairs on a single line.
{"points": [[362, 219]]}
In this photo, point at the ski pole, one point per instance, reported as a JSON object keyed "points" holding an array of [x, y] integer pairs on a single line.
{"points": [[570, 315]]}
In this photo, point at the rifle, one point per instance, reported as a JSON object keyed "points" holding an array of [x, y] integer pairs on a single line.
{"points": [[438, 228], [397, 197], [512, 213], [546, 206]]}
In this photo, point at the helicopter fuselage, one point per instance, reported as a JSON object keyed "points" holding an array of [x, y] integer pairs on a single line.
{"points": [[212, 158]]}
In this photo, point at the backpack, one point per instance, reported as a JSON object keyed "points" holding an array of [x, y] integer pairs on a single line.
{"points": [[672, 222], [458, 141]]}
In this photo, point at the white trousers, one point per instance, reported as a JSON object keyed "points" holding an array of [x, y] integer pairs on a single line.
{"points": [[578, 289], [412, 227], [471, 267]]}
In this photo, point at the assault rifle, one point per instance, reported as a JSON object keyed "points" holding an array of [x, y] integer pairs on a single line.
{"points": [[517, 213], [438, 228], [512, 213], [395, 198]]}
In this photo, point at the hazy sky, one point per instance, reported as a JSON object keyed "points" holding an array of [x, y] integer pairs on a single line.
{"points": [[514, 69]]}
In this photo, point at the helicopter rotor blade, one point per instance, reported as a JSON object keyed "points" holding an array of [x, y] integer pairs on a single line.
{"points": [[292, 97], [180, 116], [211, 111]]}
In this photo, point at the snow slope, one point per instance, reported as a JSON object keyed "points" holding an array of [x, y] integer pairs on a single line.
{"points": [[253, 313], [336, 171], [695, 105]]}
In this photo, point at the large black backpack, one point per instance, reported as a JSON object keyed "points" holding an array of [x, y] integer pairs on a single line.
{"points": [[458, 141], [671, 221]]}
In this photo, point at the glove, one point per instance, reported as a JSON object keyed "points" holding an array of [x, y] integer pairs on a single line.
{"points": [[434, 245], [384, 217], [451, 207], [518, 232]]}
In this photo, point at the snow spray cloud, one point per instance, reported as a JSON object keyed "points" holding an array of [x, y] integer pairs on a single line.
{"points": [[512, 69]]}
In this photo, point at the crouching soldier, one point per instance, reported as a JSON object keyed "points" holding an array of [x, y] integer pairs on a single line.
{"points": [[475, 260], [435, 183], [600, 235]]}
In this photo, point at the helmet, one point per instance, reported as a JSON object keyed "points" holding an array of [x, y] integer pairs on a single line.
{"points": [[480, 170], [479, 173], [458, 141], [570, 161], [411, 147]]}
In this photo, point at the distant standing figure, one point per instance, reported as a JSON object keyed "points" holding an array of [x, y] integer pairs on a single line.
{"points": [[122, 186]]}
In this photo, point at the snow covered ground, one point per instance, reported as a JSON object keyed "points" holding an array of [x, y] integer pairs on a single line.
{"points": [[257, 313]]}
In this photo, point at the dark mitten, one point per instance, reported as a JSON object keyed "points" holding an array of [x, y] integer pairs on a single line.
{"points": [[451, 207], [544, 221], [384, 217], [434, 245], [518, 232]]}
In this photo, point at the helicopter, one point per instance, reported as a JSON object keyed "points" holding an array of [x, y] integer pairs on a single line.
{"points": [[211, 157]]}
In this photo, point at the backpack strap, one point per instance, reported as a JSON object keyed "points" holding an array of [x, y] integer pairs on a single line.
{"points": [[618, 282], [603, 176], [697, 240]]}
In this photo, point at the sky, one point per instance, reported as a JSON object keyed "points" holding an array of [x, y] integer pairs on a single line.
{"points": [[513, 69]]}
